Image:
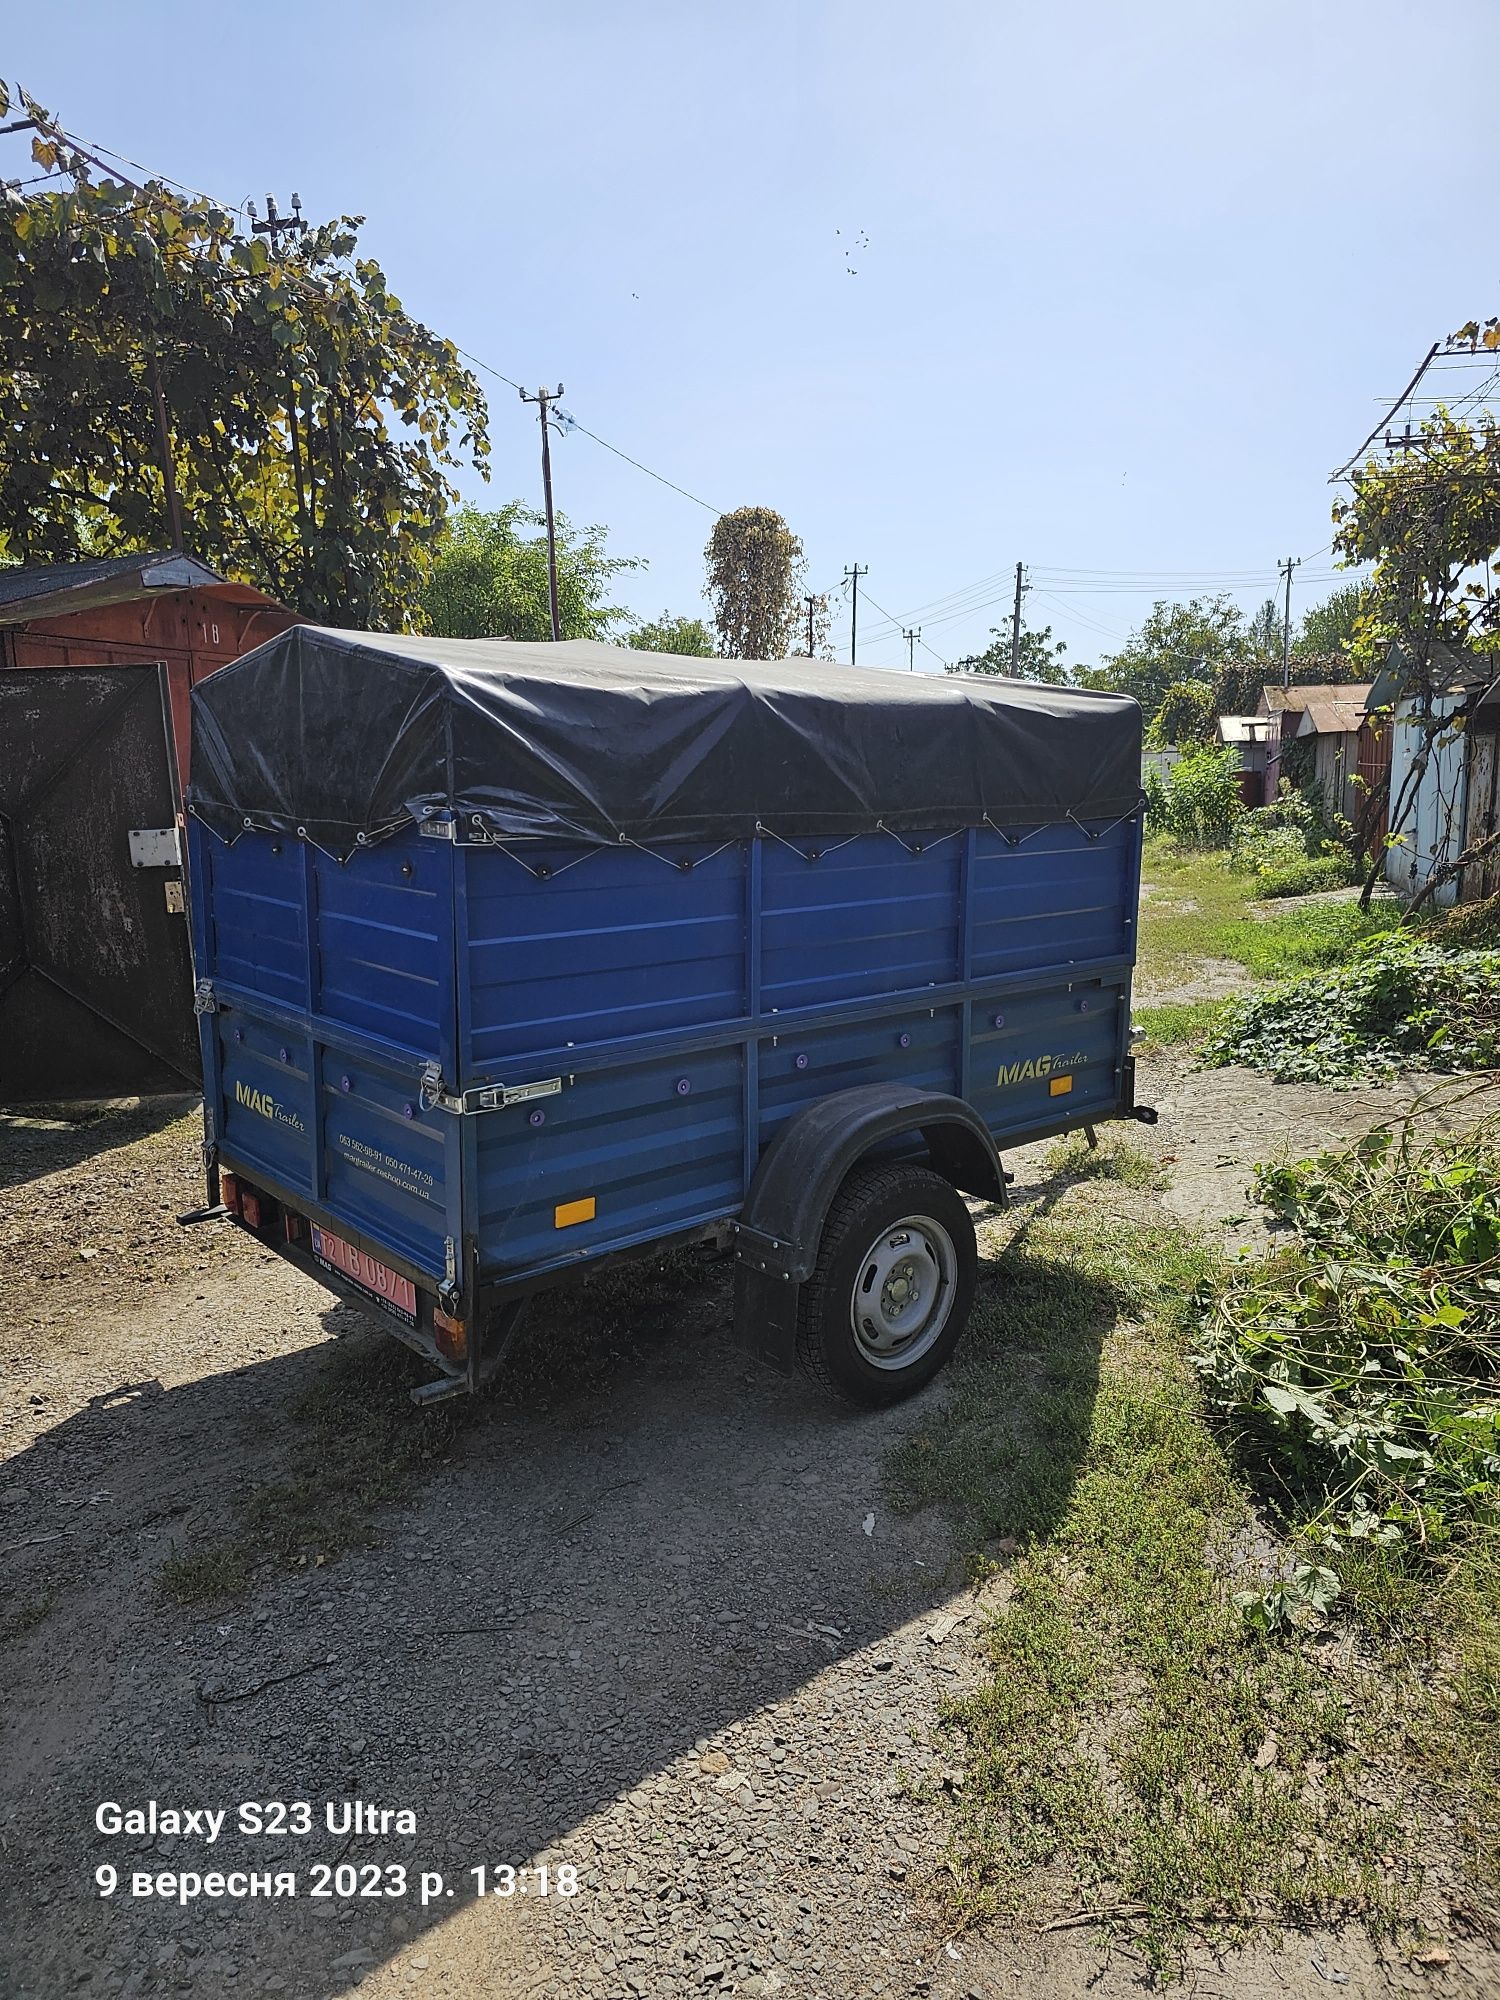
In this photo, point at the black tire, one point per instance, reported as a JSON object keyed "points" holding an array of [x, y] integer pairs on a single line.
{"points": [[872, 1203]]}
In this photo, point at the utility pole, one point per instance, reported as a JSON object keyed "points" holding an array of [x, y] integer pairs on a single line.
{"points": [[812, 605], [276, 225], [273, 226], [1285, 569], [1015, 629], [911, 637], [542, 398], [853, 576], [168, 471]]}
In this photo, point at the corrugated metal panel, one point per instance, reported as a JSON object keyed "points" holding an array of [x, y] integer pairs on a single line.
{"points": [[655, 1145], [1432, 825], [381, 931], [866, 918], [683, 1013], [617, 944], [1053, 900]]}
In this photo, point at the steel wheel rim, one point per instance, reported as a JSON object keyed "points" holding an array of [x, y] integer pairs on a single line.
{"points": [[903, 1292]]}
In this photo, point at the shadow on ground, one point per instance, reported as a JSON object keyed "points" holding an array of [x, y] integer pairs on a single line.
{"points": [[635, 1540], [38, 1139]]}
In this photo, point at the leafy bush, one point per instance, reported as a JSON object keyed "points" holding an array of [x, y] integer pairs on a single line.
{"points": [[1254, 848], [1291, 847], [1198, 804], [1305, 877], [1358, 1369], [1399, 1001]]}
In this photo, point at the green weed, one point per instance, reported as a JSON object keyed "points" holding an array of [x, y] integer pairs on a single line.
{"points": [[1401, 1001]]}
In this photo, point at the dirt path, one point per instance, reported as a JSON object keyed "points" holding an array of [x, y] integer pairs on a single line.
{"points": [[649, 1617]]}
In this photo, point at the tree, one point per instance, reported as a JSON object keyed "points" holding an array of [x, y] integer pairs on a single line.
{"points": [[489, 579], [1429, 521], [1176, 642], [1039, 657], [673, 635], [755, 571], [1330, 628], [159, 368], [1187, 715]]}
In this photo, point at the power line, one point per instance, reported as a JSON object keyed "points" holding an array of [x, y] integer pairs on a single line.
{"points": [[1423, 366], [89, 148]]}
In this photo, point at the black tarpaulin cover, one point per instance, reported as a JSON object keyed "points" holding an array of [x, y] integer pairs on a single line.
{"points": [[348, 735]]}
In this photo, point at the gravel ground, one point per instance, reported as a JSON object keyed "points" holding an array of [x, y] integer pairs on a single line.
{"points": [[648, 1618]]}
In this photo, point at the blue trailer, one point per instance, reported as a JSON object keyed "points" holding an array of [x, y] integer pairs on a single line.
{"points": [[514, 959]]}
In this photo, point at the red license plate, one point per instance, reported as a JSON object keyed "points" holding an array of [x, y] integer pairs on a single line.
{"points": [[385, 1286]]}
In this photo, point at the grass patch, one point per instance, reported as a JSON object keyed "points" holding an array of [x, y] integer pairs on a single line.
{"points": [[357, 1445], [1179, 1023], [1203, 910], [1459, 1733], [1137, 1747], [1111, 1158]]}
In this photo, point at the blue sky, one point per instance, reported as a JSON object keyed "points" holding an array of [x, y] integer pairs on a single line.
{"points": [[1135, 279]]}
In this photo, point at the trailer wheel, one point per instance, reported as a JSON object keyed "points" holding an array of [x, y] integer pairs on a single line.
{"points": [[891, 1291]]}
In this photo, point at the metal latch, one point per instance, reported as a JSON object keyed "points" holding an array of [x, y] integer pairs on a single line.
{"points": [[203, 998], [154, 847], [484, 1097], [496, 1096]]}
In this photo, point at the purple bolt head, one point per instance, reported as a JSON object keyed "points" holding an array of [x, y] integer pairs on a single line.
{"points": [[802, 1062], [346, 1083], [408, 1111], [905, 1040], [537, 1118], [683, 1086], [284, 1055], [999, 1020], [239, 1034]]}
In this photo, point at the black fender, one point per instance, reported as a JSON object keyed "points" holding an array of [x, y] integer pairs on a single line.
{"points": [[776, 1238]]}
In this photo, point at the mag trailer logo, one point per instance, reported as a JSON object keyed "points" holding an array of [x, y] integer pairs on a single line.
{"points": [[266, 1106], [1041, 1069]]}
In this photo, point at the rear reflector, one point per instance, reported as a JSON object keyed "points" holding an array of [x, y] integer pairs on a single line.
{"points": [[1060, 1086], [567, 1213]]}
